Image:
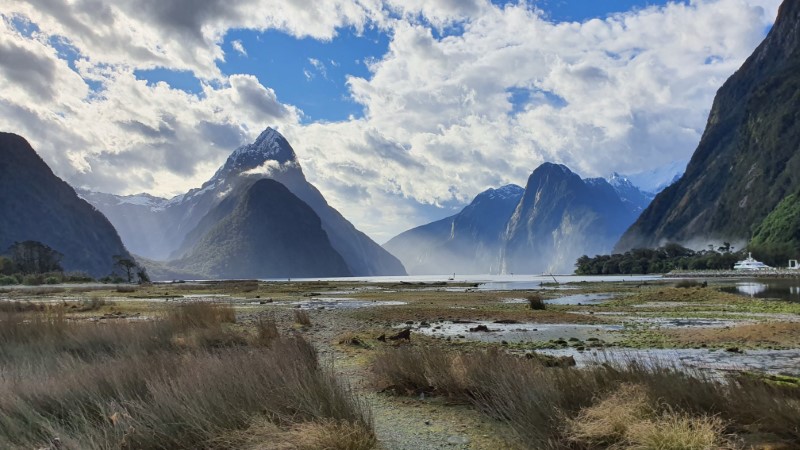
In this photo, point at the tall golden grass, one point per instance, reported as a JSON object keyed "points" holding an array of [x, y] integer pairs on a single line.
{"points": [[155, 384]]}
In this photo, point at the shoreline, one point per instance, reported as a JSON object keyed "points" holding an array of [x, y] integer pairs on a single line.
{"points": [[771, 273]]}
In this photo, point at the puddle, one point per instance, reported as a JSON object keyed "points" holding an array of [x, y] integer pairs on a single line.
{"points": [[683, 322], [784, 289], [342, 303], [580, 299], [770, 361], [517, 332], [520, 286]]}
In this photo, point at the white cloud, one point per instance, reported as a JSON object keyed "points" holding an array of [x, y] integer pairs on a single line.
{"points": [[319, 67], [627, 93], [239, 47]]}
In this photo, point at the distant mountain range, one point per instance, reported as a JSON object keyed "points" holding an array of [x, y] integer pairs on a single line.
{"points": [[748, 160], [542, 228], [186, 228], [36, 205], [466, 243]]}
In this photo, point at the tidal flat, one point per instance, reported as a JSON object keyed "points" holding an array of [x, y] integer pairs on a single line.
{"points": [[405, 364]]}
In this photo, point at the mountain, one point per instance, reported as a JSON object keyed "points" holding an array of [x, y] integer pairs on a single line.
{"points": [[748, 159], [263, 231], [777, 238], [466, 243], [561, 217], [658, 179], [633, 197], [545, 227], [37, 205], [162, 229]]}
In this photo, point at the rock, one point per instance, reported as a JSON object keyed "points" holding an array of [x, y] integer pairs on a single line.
{"points": [[480, 328], [506, 321], [382, 337], [458, 439], [404, 335], [734, 350]]}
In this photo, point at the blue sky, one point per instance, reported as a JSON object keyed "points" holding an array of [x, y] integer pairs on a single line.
{"points": [[400, 111], [312, 74]]}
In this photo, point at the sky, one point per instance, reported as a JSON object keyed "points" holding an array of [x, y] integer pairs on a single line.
{"points": [[400, 111]]}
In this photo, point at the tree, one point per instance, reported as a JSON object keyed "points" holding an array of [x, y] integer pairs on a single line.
{"points": [[34, 257], [131, 269], [127, 265]]}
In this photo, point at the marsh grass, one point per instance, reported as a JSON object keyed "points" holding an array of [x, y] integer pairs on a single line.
{"points": [[540, 402], [181, 382], [301, 317]]}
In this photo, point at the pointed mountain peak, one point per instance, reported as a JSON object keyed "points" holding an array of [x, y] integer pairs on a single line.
{"points": [[268, 150], [270, 145]]}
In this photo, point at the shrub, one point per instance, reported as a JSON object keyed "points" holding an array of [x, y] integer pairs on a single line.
{"points": [[33, 280], [7, 280], [52, 280], [536, 302]]}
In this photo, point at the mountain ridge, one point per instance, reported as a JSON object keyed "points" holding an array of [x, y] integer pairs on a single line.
{"points": [[748, 158]]}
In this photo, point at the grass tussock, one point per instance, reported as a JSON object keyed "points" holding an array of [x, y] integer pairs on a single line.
{"points": [[560, 407], [201, 315], [326, 434], [536, 302], [160, 384], [627, 419], [301, 317], [690, 284]]}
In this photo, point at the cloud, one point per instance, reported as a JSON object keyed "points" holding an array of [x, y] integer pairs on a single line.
{"points": [[239, 47], [319, 67], [446, 114]]}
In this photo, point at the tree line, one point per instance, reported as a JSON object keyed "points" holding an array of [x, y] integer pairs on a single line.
{"points": [[32, 262], [659, 260]]}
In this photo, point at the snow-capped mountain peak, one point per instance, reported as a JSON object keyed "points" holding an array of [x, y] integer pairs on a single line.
{"points": [[270, 148], [270, 145]]}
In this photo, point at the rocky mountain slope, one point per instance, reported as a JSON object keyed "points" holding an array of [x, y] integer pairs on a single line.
{"points": [[466, 243], [748, 159], [262, 231], [169, 229], [561, 217], [542, 228], [37, 205]]}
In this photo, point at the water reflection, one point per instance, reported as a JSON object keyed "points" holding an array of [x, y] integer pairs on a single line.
{"points": [[763, 288]]}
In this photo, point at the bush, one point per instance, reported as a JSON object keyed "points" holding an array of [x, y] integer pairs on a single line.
{"points": [[33, 280], [536, 302], [52, 280], [8, 280]]}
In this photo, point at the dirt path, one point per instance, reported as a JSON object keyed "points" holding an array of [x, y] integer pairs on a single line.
{"points": [[403, 423]]}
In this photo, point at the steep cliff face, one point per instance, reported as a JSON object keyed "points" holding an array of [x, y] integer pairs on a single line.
{"points": [[559, 218], [466, 243], [545, 227], [37, 205], [748, 159], [262, 231]]}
